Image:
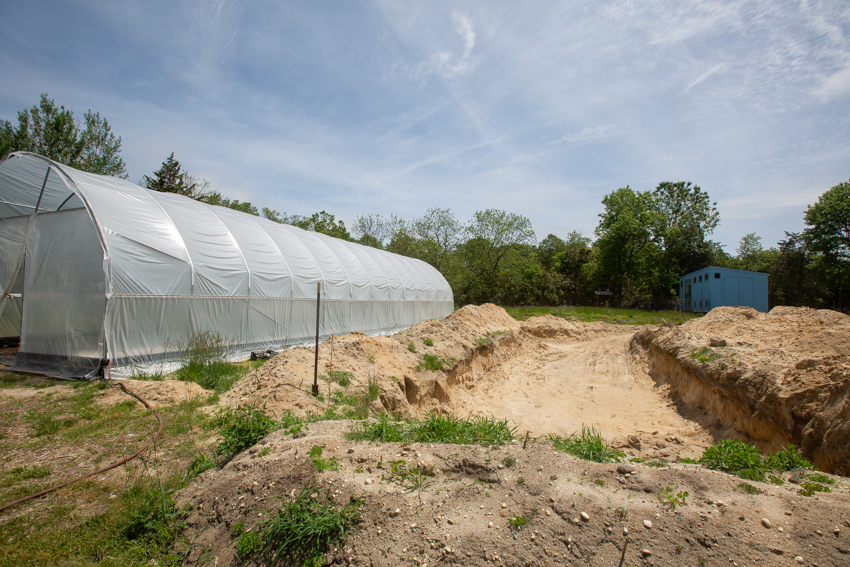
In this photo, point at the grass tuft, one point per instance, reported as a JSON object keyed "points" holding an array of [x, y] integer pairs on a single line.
{"points": [[202, 361], [241, 428], [588, 445], [305, 527]]}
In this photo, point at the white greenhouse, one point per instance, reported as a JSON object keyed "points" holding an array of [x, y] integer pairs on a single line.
{"points": [[96, 268]]}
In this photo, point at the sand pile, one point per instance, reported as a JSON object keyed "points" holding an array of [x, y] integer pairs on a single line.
{"points": [[783, 377]]}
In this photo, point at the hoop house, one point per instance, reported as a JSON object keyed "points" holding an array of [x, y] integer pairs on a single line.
{"points": [[95, 268]]}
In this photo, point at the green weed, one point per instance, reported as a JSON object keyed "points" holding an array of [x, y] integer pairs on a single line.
{"points": [[241, 428], [589, 446], [670, 498], [705, 354], [373, 389], [341, 377], [734, 457], [809, 488], [321, 464], [749, 488], [431, 362], [518, 522], [305, 527], [21, 474], [788, 459], [411, 347], [202, 361], [428, 342]]}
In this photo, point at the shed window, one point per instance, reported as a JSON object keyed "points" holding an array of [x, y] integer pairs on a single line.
{"points": [[700, 278], [717, 275]]}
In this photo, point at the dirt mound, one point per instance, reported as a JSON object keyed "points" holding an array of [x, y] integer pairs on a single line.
{"points": [[782, 377], [513, 506], [157, 393], [549, 326]]}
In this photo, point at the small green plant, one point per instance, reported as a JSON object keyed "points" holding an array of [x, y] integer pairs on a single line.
{"points": [[735, 457], [509, 461], [241, 428], [484, 340], [705, 354], [589, 446], [238, 528], [670, 498], [778, 480], [520, 480], [749, 488], [621, 513], [248, 544], [518, 522], [398, 467], [428, 342], [688, 461], [341, 377], [416, 480], [321, 464], [384, 429], [411, 347], [822, 478], [599, 482], [373, 389], [431, 362], [788, 459], [809, 488], [201, 463], [305, 527], [371, 359]]}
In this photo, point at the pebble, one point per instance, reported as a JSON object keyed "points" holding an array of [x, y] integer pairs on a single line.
{"points": [[585, 516], [645, 552], [780, 529], [394, 513], [490, 525], [549, 513], [368, 481], [452, 522], [787, 512], [625, 531], [504, 505], [836, 531], [819, 532], [647, 524], [766, 523], [379, 531], [799, 560]]}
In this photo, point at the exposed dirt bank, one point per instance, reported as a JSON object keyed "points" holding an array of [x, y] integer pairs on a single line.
{"points": [[783, 377]]}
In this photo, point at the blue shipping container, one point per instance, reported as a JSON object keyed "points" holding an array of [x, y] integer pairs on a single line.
{"points": [[712, 287]]}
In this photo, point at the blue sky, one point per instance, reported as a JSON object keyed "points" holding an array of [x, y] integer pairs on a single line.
{"points": [[538, 108]]}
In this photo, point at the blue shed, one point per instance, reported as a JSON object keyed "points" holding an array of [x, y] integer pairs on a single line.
{"points": [[712, 287]]}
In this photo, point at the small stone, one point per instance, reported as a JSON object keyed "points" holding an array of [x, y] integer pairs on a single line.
{"points": [[549, 513], [766, 523], [504, 505], [585, 516], [394, 513], [625, 531], [490, 525], [450, 521], [645, 552], [717, 342], [819, 532], [836, 531], [379, 531], [368, 481], [719, 503], [647, 524], [799, 560], [625, 469], [609, 530], [787, 512], [781, 529]]}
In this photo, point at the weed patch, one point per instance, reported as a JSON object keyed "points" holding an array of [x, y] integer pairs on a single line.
{"points": [[705, 354], [588, 445], [321, 464], [306, 527], [241, 428], [431, 362]]}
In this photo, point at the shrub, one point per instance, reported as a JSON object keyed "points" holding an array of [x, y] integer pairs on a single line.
{"points": [[306, 527], [428, 342], [705, 354], [384, 429], [373, 389], [589, 446], [411, 347]]}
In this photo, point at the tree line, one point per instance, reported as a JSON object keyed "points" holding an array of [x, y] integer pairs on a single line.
{"points": [[643, 243]]}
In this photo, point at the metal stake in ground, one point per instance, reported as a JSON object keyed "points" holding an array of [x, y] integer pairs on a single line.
{"points": [[316, 364]]}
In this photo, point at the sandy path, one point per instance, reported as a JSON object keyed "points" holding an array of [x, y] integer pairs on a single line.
{"points": [[592, 382]]}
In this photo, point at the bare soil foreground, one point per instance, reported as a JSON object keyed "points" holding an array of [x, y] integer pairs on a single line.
{"points": [[659, 394]]}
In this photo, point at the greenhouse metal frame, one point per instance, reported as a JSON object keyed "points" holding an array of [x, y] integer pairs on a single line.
{"points": [[98, 269]]}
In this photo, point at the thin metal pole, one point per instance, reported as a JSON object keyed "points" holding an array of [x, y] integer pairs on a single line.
{"points": [[316, 364]]}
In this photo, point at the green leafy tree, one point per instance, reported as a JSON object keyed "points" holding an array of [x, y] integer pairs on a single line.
{"points": [[625, 251], [323, 222], [829, 229], [749, 250], [371, 230], [438, 232], [54, 133]]}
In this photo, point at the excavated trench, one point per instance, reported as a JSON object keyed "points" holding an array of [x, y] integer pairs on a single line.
{"points": [[643, 389]]}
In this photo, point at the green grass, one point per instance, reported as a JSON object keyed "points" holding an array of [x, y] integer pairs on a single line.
{"points": [[745, 461], [437, 428], [306, 527], [614, 315], [411, 347], [241, 428], [518, 522], [588, 445], [705, 354], [20, 474], [428, 342], [341, 377], [431, 362], [749, 488], [321, 464], [202, 361]]}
